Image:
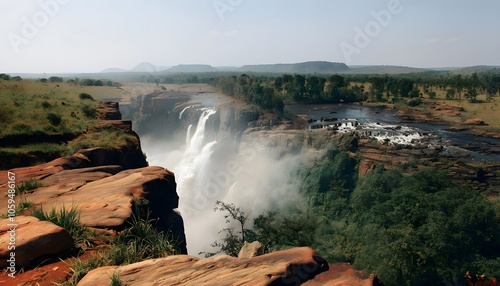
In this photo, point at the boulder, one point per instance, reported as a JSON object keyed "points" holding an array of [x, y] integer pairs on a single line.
{"points": [[474, 121], [33, 238], [344, 274], [287, 267], [249, 250]]}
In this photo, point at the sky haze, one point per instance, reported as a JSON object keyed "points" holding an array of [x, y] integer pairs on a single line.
{"points": [[65, 36]]}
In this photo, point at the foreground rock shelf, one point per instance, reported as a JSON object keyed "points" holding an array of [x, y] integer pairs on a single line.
{"points": [[287, 267]]}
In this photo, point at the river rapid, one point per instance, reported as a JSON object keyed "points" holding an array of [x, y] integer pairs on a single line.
{"points": [[382, 124]]}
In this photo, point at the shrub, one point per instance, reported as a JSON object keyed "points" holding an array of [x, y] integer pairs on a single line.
{"points": [[46, 104], [84, 96], [415, 102], [89, 111], [22, 128], [54, 119], [6, 113]]}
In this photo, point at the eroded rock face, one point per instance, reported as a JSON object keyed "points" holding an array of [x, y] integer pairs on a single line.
{"points": [[287, 267], [33, 238], [104, 199], [104, 196], [344, 274]]}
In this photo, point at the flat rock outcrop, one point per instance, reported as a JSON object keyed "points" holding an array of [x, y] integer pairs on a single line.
{"points": [[33, 238], [287, 267], [104, 195], [342, 274], [473, 121]]}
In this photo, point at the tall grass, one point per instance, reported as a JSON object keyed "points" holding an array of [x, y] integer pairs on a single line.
{"points": [[27, 186], [138, 242], [115, 279], [20, 208], [79, 268], [69, 219]]}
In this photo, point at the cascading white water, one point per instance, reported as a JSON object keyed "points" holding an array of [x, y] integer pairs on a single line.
{"points": [[206, 171], [182, 111], [191, 177], [188, 134]]}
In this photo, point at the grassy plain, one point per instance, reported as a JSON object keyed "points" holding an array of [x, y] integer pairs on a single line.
{"points": [[31, 110]]}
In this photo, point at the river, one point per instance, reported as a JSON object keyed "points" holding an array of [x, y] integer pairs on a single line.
{"points": [[383, 124]]}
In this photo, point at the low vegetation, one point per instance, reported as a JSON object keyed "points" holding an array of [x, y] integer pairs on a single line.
{"points": [[40, 118], [410, 229], [115, 279], [48, 107], [80, 268], [69, 219], [27, 186], [137, 242], [22, 206], [107, 137]]}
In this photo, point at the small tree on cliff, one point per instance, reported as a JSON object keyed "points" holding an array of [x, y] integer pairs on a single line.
{"points": [[234, 240]]}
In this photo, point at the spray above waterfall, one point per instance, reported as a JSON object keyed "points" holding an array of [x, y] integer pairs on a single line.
{"points": [[208, 170]]}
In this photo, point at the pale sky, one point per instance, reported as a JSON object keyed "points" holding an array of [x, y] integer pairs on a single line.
{"points": [[59, 36]]}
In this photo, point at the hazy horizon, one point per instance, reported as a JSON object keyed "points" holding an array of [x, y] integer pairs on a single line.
{"points": [[75, 36]]}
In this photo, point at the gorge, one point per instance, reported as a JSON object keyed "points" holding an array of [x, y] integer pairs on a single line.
{"points": [[222, 149], [355, 182]]}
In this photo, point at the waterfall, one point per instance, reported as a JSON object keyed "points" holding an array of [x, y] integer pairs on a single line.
{"points": [[188, 134], [182, 111], [192, 177], [231, 169]]}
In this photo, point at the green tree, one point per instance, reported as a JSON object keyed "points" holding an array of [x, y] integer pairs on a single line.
{"points": [[450, 93], [405, 86], [233, 241], [55, 79], [471, 94]]}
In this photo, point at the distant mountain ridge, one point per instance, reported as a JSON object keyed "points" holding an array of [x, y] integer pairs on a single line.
{"points": [[310, 67], [304, 67], [192, 68]]}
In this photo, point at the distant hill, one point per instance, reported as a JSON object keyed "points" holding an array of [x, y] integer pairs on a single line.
{"points": [[226, 68], [383, 70], [303, 68], [191, 68], [473, 69], [112, 70], [148, 67]]}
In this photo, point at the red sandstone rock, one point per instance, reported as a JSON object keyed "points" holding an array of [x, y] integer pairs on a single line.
{"points": [[474, 121], [341, 274], [288, 267], [33, 239]]}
